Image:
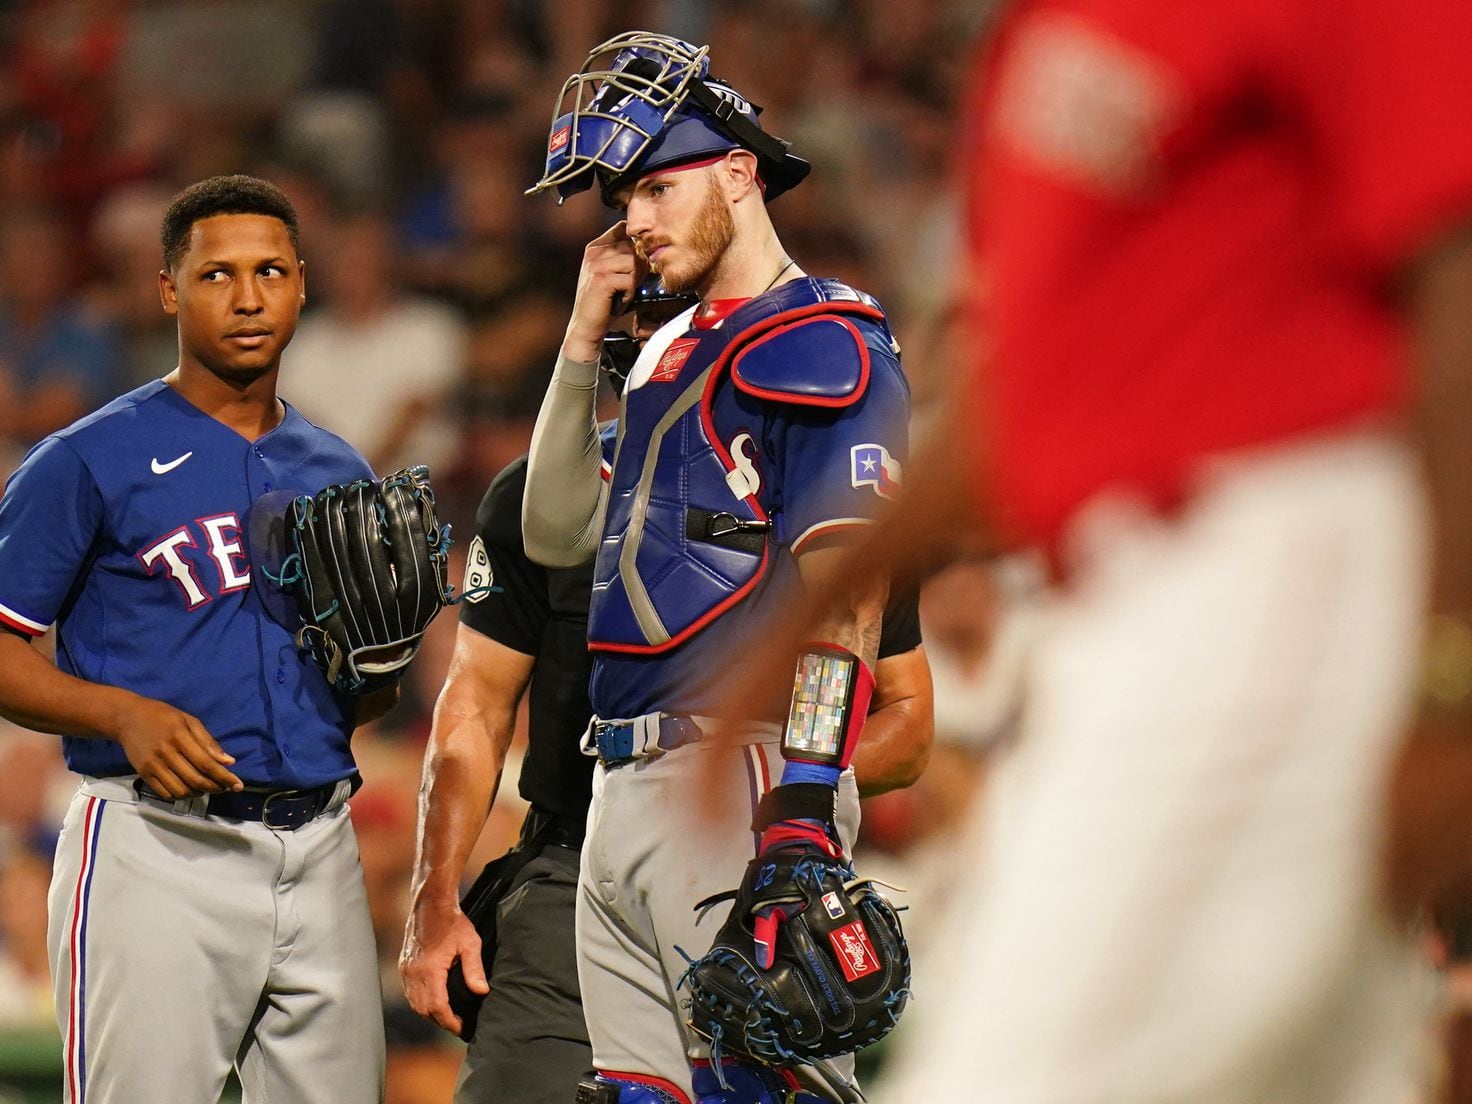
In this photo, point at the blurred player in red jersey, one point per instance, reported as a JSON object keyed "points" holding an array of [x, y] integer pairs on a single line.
{"points": [[1227, 300]]}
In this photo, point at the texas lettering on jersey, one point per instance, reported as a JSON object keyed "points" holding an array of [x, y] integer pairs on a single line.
{"points": [[219, 539]]}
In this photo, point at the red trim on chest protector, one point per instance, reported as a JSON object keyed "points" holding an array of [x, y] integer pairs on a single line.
{"points": [[793, 397]]}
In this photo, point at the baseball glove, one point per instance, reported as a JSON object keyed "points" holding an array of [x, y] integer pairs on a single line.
{"points": [[366, 563], [840, 972]]}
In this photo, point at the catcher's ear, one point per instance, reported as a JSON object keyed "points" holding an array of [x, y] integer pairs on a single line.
{"points": [[301, 272], [168, 293]]}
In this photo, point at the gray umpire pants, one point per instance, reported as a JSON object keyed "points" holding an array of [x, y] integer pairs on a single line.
{"points": [[531, 1043]]}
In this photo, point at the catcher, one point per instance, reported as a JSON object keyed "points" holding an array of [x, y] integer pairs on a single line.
{"points": [[759, 429]]}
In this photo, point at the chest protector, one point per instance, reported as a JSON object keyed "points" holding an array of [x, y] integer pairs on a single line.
{"points": [[687, 533]]}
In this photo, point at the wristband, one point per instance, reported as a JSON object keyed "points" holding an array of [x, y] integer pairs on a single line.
{"points": [[830, 699], [796, 801]]}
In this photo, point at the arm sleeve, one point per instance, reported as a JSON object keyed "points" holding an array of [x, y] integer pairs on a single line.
{"points": [[50, 515], [562, 515], [901, 630], [838, 468], [1390, 89], [517, 613]]}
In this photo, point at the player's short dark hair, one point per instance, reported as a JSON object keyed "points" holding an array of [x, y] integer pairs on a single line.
{"points": [[222, 195]]}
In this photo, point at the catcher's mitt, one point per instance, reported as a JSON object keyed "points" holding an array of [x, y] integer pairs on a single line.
{"points": [[839, 978], [366, 563]]}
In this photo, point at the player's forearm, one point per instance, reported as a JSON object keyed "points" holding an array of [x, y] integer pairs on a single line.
{"points": [[36, 695], [895, 746], [1442, 288], [562, 511], [462, 772]]}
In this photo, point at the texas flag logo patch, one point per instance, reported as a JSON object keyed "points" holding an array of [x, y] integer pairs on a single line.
{"points": [[855, 953], [673, 360], [874, 467]]}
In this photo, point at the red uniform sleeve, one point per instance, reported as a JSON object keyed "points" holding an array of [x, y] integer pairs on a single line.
{"points": [[1390, 89]]}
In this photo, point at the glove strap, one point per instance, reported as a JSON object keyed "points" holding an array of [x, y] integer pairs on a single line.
{"points": [[799, 813], [830, 699], [796, 801]]}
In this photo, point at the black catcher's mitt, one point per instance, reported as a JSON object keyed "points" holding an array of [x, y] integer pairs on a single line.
{"points": [[839, 978], [366, 563]]}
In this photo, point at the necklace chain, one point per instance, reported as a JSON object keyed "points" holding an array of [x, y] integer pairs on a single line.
{"points": [[788, 262]]}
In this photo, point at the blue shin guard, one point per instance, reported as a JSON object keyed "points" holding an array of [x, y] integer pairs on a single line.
{"points": [[612, 1087], [743, 1083]]}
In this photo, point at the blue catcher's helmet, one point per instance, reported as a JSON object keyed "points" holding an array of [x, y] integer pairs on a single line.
{"points": [[654, 107]]}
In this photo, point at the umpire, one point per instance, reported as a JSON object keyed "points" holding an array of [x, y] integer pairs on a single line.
{"points": [[530, 1044]]}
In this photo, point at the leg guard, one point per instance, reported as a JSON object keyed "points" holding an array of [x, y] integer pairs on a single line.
{"points": [[611, 1087], [747, 1084]]}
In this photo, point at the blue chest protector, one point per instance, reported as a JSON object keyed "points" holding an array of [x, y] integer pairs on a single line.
{"points": [[688, 528]]}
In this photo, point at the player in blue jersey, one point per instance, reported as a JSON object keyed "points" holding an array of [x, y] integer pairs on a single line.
{"points": [[207, 906], [759, 429]]}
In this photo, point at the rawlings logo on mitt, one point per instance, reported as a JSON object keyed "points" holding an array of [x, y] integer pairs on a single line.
{"points": [[840, 974]]}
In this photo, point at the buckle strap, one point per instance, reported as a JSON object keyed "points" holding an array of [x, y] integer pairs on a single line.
{"points": [[725, 530], [646, 737]]}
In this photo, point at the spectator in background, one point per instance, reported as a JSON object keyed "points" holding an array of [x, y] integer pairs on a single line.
{"points": [[57, 358], [25, 970], [125, 235], [373, 364]]}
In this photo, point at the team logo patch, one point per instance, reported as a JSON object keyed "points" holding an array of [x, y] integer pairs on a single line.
{"points": [[478, 573], [855, 953], [558, 139], [673, 360], [872, 466], [743, 479], [834, 906]]}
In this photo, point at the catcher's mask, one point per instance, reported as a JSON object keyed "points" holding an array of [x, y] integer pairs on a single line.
{"points": [[652, 306], [654, 107]]}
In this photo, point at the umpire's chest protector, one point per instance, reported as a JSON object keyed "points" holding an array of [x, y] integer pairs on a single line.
{"points": [[695, 486]]}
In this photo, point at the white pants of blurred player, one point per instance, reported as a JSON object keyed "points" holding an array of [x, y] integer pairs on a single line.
{"points": [[1172, 889]]}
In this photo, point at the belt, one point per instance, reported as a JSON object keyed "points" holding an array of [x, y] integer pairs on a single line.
{"points": [[542, 829], [620, 742], [284, 810]]}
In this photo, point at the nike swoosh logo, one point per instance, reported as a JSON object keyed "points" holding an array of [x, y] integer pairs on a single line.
{"points": [[162, 469]]}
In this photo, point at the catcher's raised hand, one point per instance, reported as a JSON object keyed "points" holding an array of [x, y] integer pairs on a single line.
{"points": [[611, 270]]}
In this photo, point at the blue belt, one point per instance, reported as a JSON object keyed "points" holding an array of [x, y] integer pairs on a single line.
{"points": [[620, 742]]}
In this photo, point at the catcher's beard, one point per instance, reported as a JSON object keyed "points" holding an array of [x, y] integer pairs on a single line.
{"points": [[710, 236]]}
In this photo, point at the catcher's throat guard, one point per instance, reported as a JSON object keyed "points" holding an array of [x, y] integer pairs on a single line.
{"points": [[653, 106]]}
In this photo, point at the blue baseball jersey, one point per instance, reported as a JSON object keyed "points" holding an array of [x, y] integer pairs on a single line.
{"points": [[127, 530], [807, 413]]}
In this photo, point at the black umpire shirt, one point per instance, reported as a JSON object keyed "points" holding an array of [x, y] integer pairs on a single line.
{"points": [[543, 612]]}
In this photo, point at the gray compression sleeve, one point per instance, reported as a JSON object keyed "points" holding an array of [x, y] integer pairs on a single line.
{"points": [[562, 511]]}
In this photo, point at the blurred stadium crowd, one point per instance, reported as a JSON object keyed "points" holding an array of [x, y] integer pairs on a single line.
{"points": [[405, 131]]}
